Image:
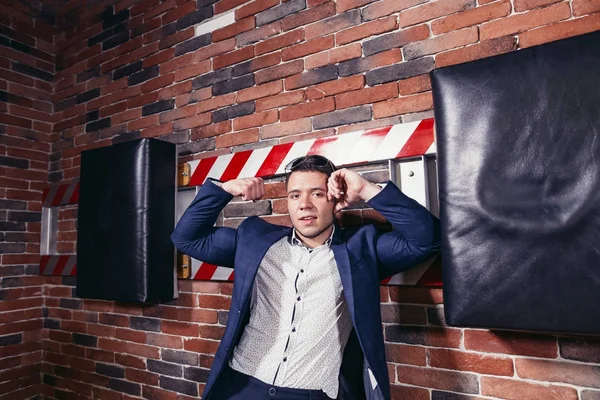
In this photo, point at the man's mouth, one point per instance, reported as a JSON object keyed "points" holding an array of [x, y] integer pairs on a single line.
{"points": [[308, 218]]}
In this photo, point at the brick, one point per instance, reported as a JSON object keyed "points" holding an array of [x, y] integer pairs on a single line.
{"points": [[233, 111], [225, 5], [434, 337], [333, 56], [192, 70], [359, 65], [516, 390], [307, 48], [524, 5], [257, 119], [196, 147], [233, 58], [98, 125], [179, 89], [387, 7], [403, 354], [126, 116], [193, 44], [179, 357], [145, 324], [280, 11], [87, 96], [258, 34], [366, 96], [280, 71], [159, 106], [165, 368], [125, 387], [580, 349], [256, 64], [438, 379], [32, 71], [196, 374], [349, 116], [212, 78], [283, 99], [215, 102], [178, 113], [307, 109], [195, 17], [158, 83], [413, 85], [254, 8], [127, 70], [334, 87], [403, 105], [286, 128], [142, 100], [395, 40], [179, 12], [234, 29], [110, 370], [260, 91], [433, 10], [439, 395], [312, 77], [511, 343], [333, 24], [590, 395], [187, 123], [474, 362], [399, 71], [281, 41], [484, 49], [313, 14], [237, 138], [143, 75], [175, 38], [366, 30], [176, 63], [408, 392], [471, 17], [523, 22], [440, 43], [559, 371], [583, 7], [179, 386], [214, 49], [559, 31]]}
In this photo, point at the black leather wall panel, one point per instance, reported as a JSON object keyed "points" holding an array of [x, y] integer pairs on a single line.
{"points": [[518, 139], [125, 217]]}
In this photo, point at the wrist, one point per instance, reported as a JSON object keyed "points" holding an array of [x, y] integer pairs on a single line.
{"points": [[369, 191]]}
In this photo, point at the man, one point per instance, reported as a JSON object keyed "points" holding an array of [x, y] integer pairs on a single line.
{"points": [[305, 319]]}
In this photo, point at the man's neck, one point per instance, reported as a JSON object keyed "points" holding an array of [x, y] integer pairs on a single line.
{"points": [[316, 241]]}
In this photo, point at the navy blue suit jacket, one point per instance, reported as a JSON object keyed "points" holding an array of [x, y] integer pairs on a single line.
{"points": [[363, 256]]}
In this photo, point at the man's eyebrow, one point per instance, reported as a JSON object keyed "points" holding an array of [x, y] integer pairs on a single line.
{"points": [[311, 190]]}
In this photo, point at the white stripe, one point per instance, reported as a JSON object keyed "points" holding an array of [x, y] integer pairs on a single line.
{"points": [[362, 150], [432, 149], [195, 267], [394, 141], [215, 23], [412, 276], [343, 146], [256, 159], [193, 165], [221, 274], [219, 166], [299, 149]]}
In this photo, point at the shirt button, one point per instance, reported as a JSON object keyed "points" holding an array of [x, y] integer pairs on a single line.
{"points": [[293, 329], [302, 270], [284, 359], [299, 298]]}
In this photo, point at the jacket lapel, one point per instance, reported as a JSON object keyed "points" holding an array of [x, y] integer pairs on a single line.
{"points": [[340, 253]]}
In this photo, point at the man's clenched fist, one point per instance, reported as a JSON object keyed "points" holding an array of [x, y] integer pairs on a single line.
{"points": [[247, 188]]}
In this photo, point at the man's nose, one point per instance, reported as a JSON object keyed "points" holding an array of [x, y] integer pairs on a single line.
{"points": [[305, 203]]}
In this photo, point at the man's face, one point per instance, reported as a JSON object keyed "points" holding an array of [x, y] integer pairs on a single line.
{"points": [[310, 211]]}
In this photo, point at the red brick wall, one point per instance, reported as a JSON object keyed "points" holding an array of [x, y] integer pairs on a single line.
{"points": [[284, 71], [26, 85]]}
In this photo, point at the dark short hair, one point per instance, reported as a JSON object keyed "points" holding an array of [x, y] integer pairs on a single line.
{"points": [[312, 163]]}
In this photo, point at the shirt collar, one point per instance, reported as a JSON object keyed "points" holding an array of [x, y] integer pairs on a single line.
{"points": [[295, 241]]}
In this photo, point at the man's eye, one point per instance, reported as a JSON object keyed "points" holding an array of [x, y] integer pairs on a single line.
{"points": [[318, 194], [294, 197]]}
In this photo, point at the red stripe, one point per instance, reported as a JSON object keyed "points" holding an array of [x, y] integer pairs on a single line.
{"points": [[235, 165], [56, 201], [75, 196], [433, 275], [274, 159], [74, 271], [205, 272], [322, 146], [369, 141], [419, 141], [385, 281], [60, 265], [201, 171], [231, 277], [43, 263], [45, 194]]}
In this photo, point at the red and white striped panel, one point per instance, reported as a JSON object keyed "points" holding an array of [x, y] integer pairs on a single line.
{"points": [[60, 195], [203, 271], [391, 142], [61, 265]]}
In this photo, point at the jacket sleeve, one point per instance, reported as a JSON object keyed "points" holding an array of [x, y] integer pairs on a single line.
{"points": [[416, 234], [195, 233]]}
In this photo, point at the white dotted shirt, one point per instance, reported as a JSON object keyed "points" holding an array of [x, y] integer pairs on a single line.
{"points": [[299, 322]]}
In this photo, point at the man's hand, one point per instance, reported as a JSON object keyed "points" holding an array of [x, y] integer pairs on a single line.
{"points": [[248, 188], [347, 187]]}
